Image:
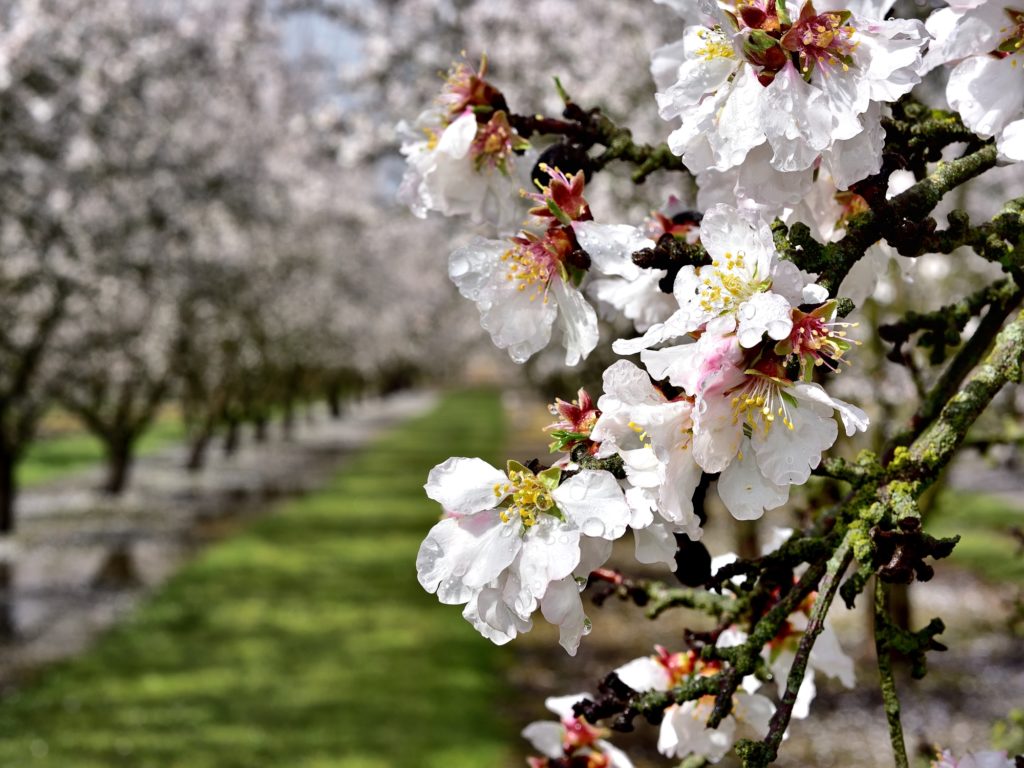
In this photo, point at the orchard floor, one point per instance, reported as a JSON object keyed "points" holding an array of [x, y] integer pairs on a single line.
{"points": [[303, 640], [80, 559]]}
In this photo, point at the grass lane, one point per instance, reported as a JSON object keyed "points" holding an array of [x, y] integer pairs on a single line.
{"points": [[304, 641], [73, 449]]}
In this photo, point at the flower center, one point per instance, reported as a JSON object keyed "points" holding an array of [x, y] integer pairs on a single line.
{"points": [[494, 143], [1014, 40], [529, 498], [821, 38], [727, 285], [716, 45], [533, 261], [760, 401], [816, 339]]}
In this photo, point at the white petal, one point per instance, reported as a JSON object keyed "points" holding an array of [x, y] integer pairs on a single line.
{"points": [[562, 607], [986, 92], [787, 456], [546, 737], [655, 544], [458, 137], [593, 501], [578, 319], [854, 419], [611, 247], [644, 674], [550, 551], [1011, 141], [562, 705], [464, 486], [764, 313], [594, 552], [745, 492]]}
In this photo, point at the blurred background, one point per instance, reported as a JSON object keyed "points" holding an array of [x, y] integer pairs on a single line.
{"points": [[228, 359]]}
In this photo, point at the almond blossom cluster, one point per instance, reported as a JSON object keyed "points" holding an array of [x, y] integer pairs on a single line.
{"points": [[572, 741], [463, 155], [727, 311], [770, 93], [731, 394]]}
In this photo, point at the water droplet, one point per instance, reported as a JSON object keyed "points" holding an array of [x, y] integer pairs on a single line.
{"points": [[593, 527]]}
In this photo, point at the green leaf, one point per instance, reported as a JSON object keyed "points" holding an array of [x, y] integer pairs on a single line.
{"points": [[549, 478]]}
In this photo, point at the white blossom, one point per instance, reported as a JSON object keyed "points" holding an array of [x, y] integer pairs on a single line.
{"points": [[512, 542], [520, 287]]}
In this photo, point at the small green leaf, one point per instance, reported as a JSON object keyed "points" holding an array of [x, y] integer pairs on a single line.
{"points": [[549, 478]]}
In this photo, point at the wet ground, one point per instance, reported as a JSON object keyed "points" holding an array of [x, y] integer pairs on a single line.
{"points": [[81, 559], [977, 681]]}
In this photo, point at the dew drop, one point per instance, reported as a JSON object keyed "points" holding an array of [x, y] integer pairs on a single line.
{"points": [[593, 527]]}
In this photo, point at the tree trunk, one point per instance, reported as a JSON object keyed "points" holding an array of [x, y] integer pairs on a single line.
{"points": [[334, 401], [232, 438], [8, 623], [8, 490], [260, 429], [288, 420], [119, 464], [197, 451]]}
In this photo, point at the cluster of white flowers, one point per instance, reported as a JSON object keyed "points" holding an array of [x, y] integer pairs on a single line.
{"points": [[572, 739], [768, 96], [733, 401], [780, 110], [985, 41], [462, 154], [684, 731]]}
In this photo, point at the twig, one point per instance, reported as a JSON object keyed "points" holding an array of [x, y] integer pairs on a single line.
{"points": [[885, 672]]}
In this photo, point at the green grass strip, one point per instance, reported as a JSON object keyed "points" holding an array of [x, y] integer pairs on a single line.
{"points": [[303, 642], [983, 523], [53, 457]]}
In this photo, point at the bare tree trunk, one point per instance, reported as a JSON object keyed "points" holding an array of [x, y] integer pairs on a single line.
{"points": [[8, 489], [334, 400], [119, 464], [8, 623], [260, 429], [197, 451], [232, 438], [288, 419]]}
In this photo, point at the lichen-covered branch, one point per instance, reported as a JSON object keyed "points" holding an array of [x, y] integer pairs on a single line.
{"points": [[586, 129], [890, 699], [760, 754]]}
